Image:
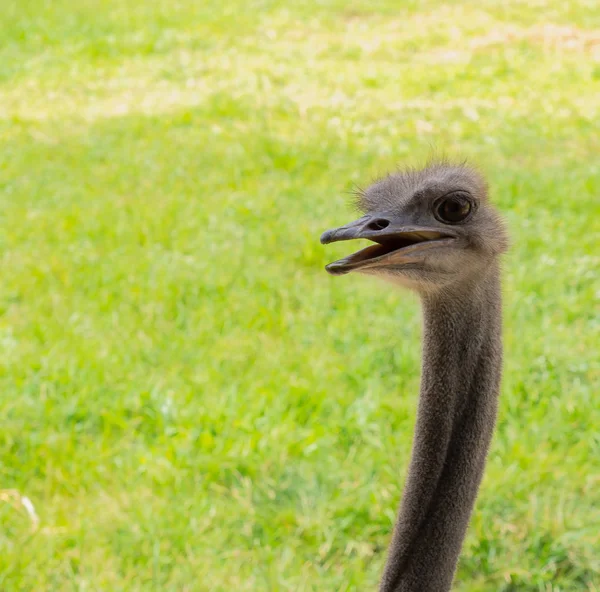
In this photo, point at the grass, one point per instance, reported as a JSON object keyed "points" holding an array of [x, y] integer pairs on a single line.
{"points": [[188, 400]]}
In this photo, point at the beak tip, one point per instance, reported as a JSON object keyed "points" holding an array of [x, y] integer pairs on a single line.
{"points": [[335, 269], [327, 236]]}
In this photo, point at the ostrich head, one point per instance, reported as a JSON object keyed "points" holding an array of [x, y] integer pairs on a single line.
{"points": [[432, 228]]}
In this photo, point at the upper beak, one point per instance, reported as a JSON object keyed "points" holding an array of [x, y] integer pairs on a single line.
{"points": [[397, 240], [371, 227]]}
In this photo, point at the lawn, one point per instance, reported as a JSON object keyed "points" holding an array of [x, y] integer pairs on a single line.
{"points": [[189, 402]]}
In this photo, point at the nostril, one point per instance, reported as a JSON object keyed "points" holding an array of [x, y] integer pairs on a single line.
{"points": [[378, 224]]}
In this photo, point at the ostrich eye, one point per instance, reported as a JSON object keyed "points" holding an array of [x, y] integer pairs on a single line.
{"points": [[453, 208]]}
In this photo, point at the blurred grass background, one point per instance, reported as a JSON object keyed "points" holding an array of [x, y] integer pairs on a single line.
{"points": [[188, 400]]}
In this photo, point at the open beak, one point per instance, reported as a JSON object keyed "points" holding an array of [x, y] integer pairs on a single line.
{"points": [[396, 242]]}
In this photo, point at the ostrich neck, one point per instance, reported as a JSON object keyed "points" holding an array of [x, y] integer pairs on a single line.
{"points": [[462, 358]]}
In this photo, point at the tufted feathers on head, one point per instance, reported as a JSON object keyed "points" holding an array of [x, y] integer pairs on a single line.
{"points": [[440, 174]]}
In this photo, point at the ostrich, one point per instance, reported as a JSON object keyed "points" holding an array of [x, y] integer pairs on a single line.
{"points": [[436, 233]]}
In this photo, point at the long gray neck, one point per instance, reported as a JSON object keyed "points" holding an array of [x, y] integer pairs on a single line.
{"points": [[462, 361]]}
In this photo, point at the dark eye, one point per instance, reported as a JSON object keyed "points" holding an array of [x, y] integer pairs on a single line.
{"points": [[453, 208]]}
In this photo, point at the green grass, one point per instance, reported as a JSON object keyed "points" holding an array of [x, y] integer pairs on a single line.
{"points": [[188, 400]]}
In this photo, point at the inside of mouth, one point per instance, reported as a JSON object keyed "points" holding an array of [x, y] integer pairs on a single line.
{"points": [[389, 244]]}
